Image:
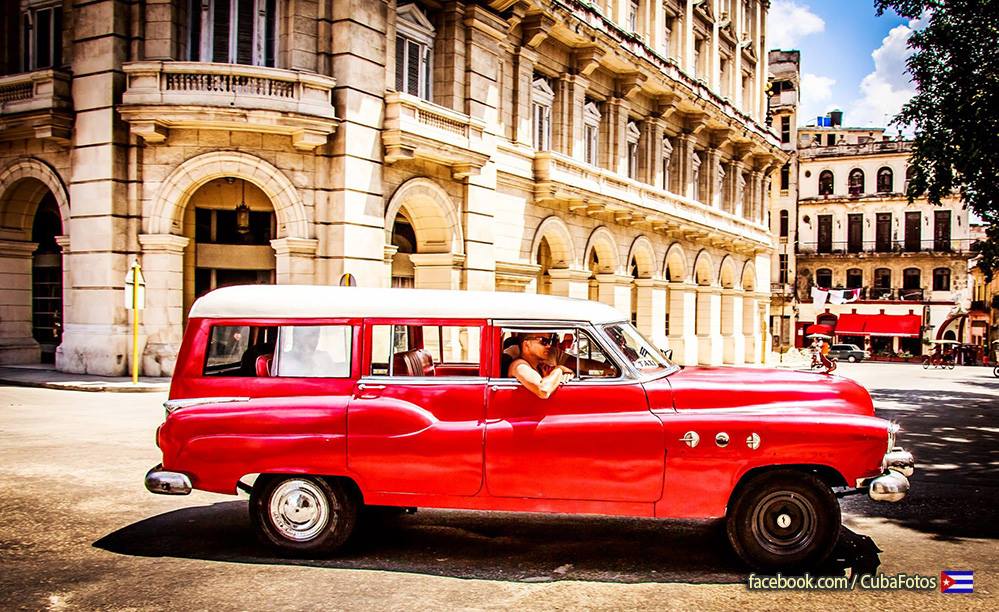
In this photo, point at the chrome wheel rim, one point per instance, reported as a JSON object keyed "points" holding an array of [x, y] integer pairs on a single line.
{"points": [[299, 510], [784, 523]]}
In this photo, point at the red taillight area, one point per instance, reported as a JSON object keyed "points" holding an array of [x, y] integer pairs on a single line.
{"points": [[158, 427]]}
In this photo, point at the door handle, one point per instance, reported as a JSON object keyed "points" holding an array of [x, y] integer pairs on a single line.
{"points": [[362, 387], [503, 387]]}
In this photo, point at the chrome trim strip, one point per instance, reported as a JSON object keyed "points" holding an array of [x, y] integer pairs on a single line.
{"points": [[177, 404]]}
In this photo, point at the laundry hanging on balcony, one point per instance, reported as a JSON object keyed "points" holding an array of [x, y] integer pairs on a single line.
{"points": [[843, 296], [819, 296]]}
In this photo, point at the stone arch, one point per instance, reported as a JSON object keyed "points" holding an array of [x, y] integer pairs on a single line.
{"points": [[704, 269], [432, 214], [602, 241], [165, 214], [20, 196], [675, 265], [644, 255], [556, 233], [749, 277], [727, 273]]}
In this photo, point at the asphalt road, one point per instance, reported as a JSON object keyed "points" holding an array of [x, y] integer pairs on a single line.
{"points": [[79, 531]]}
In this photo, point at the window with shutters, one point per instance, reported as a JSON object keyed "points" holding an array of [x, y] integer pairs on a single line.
{"points": [[591, 132], [233, 31], [41, 37], [414, 43], [542, 98]]}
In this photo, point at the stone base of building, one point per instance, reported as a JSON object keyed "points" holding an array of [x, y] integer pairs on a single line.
{"points": [[159, 358], [95, 349], [19, 350]]}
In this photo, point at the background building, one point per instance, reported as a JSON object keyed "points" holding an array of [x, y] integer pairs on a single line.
{"points": [[856, 230], [614, 150]]}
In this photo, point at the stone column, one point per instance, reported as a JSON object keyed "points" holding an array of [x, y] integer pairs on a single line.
{"points": [[709, 339], [517, 277], [570, 283], [732, 177], [437, 270], [523, 74], [64, 245], [567, 124], [686, 152], [390, 250], [733, 340], [716, 179], [682, 335], [17, 343], [617, 129], [295, 260], [651, 310], [755, 196], [163, 318], [615, 290], [652, 135], [751, 327], [449, 60]]}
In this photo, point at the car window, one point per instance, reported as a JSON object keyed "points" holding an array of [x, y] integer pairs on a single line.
{"points": [[233, 349], [425, 350], [573, 348], [322, 351], [645, 357]]}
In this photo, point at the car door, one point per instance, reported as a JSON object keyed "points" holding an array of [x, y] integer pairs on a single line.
{"points": [[593, 439], [419, 432]]}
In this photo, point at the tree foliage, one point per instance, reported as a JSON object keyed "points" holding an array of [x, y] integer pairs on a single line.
{"points": [[955, 112]]}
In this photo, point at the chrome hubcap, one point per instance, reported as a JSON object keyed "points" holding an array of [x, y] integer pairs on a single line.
{"points": [[299, 510], [785, 523]]}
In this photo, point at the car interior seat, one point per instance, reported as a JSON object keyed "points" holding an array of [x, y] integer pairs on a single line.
{"points": [[416, 362]]}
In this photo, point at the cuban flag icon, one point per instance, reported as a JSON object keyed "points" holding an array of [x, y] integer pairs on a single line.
{"points": [[962, 581]]}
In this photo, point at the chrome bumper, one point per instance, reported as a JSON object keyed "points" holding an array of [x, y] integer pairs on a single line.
{"points": [[167, 483], [893, 485]]}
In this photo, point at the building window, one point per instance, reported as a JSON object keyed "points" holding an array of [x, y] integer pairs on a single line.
{"points": [[41, 38], [830, 140], [785, 178], [667, 42], [784, 224], [633, 136], [941, 279], [700, 59], [856, 182], [414, 43], [542, 97], [910, 171], [885, 180], [591, 132], [823, 278], [233, 31], [667, 162], [941, 230], [826, 182], [782, 270], [785, 129], [854, 278], [633, 16], [911, 278], [695, 176]]}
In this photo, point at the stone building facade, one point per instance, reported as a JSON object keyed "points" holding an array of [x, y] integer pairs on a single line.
{"points": [[856, 230], [614, 150]]}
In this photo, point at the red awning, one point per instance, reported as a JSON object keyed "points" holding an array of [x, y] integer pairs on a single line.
{"points": [[906, 326]]}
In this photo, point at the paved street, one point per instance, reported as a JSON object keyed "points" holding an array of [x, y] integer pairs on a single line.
{"points": [[79, 531]]}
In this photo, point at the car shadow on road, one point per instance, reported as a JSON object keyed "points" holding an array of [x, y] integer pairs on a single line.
{"points": [[474, 545], [954, 437]]}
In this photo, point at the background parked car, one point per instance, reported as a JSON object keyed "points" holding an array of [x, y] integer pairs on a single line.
{"points": [[847, 352]]}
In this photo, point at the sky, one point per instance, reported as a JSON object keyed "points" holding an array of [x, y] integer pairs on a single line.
{"points": [[850, 58]]}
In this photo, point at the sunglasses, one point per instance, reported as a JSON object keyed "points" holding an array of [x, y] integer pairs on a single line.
{"points": [[545, 340]]}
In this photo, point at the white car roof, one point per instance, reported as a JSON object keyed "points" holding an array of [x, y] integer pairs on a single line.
{"points": [[314, 302]]}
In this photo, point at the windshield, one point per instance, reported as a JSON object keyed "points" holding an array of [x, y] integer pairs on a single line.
{"points": [[646, 358]]}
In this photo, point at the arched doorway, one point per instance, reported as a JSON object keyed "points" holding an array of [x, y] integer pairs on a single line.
{"points": [[552, 251], [422, 222], [231, 223], [404, 239], [46, 279], [544, 260]]}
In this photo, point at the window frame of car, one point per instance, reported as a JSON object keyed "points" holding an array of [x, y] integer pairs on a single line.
{"points": [[625, 372], [367, 330], [211, 323]]}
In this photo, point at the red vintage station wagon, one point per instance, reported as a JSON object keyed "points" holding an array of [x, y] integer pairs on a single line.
{"points": [[321, 402]]}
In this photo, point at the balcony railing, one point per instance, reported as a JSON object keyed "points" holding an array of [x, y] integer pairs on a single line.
{"points": [[416, 128], [867, 148], [202, 95], [881, 294], [36, 105], [886, 247], [587, 189]]}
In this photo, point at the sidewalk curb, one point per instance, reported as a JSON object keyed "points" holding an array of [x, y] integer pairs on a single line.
{"points": [[93, 387]]}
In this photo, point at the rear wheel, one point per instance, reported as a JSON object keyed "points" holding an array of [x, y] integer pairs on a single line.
{"points": [[852, 359], [995, 371], [302, 514], [783, 520], [926, 363]]}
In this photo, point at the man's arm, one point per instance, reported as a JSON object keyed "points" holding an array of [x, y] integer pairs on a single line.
{"points": [[542, 386]]}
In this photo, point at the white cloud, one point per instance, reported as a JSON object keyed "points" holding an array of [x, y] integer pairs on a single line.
{"points": [[816, 97], [788, 22], [884, 91]]}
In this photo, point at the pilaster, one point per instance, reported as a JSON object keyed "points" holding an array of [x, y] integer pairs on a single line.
{"points": [[682, 299], [733, 340], [651, 310], [709, 339], [437, 270], [163, 318], [295, 260], [567, 282], [615, 290]]}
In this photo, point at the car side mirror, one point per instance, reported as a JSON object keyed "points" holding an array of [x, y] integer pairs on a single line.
{"points": [[667, 353]]}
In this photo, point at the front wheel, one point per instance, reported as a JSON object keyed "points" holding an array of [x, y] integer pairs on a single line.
{"points": [[783, 520], [302, 514], [926, 363], [852, 359], [995, 371]]}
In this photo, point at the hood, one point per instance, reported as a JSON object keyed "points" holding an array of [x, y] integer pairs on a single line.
{"points": [[759, 388]]}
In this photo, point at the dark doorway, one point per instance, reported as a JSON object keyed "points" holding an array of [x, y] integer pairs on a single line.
{"points": [[882, 236], [825, 234], [941, 230], [46, 279], [855, 233], [912, 238]]}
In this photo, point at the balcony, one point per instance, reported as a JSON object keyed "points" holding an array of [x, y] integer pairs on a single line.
{"points": [[590, 190], [36, 105], [817, 151], [784, 290], [876, 248], [417, 129], [161, 96]]}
